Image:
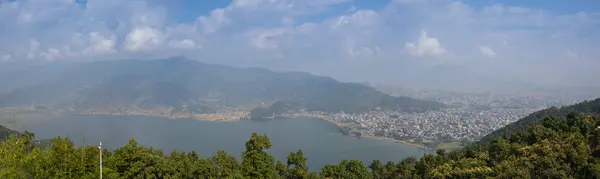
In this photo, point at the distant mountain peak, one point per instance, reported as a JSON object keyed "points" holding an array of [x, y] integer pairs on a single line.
{"points": [[177, 84]]}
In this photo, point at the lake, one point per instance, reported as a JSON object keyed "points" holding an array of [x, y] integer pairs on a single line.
{"points": [[321, 141]]}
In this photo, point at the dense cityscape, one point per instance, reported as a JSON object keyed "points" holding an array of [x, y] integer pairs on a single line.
{"points": [[470, 117]]}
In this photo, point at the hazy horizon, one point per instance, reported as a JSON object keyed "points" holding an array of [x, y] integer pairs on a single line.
{"points": [[428, 83], [447, 45]]}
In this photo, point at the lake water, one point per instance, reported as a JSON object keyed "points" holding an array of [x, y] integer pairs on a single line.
{"points": [[321, 141]]}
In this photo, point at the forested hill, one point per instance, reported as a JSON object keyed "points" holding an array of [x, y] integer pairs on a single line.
{"points": [[5, 132], [327, 95], [536, 118], [180, 85]]}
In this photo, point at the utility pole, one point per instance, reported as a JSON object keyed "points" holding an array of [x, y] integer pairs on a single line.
{"points": [[100, 147]]}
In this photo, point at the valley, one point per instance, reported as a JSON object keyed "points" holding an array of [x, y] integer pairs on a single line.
{"points": [[200, 109], [187, 88], [299, 89]]}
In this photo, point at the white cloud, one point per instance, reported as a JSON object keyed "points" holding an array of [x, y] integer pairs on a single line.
{"points": [[34, 45], [487, 51], [499, 9], [25, 18], [144, 38], [425, 46], [363, 51], [287, 21], [183, 44], [262, 39], [215, 21], [255, 4], [307, 28], [288, 7], [100, 44], [406, 1], [51, 54], [360, 18], [360, 51], [496, 8]]}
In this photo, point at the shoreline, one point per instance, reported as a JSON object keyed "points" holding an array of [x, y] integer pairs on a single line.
{"points": [[220, 117], [200, 117], [224, 116], [398, 141], [215, 117], [341, 125]]}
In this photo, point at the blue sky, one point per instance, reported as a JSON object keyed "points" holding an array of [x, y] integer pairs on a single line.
{"points": [[383, 41], [189, 10]]}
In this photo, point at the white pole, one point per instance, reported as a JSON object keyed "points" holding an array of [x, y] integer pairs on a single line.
{"points": [[100, 147]]}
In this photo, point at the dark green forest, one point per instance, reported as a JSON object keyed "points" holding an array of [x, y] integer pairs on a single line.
{"points": [[5, 133], [591, 107], [560, 147]]}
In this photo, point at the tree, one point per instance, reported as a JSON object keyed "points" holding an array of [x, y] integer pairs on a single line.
{"points": [[406, 168], [282, 170], [226, 165], [15, 159], [133, 161], [377, 169], [89, 157], [63, 160], [256, 163], [465, 168], [296, 162], [351, 169], [425, 165]]}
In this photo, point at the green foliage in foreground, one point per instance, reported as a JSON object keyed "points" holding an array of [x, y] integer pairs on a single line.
{"points": [[558, 148]]}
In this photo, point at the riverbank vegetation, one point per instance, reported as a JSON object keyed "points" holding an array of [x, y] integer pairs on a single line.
{"points": [[560, 147]]}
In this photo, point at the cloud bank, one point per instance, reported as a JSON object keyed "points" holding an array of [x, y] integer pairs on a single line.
{"points": [[339, 38], [487, 51], [425, 46]]}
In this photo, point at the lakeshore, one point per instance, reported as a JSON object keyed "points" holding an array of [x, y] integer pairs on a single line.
{"points": [[213, 117], [397, 141], [228, 116], [239, 115], [342, 125], [319, 140]]}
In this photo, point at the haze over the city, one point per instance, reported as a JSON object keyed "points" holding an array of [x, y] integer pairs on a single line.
{"points": [[432, 44]]}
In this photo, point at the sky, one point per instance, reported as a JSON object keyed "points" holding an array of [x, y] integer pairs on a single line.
{"points": [[416, 43]]}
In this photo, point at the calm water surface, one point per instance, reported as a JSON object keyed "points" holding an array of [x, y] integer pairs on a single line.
{"points": [[321, 141]]}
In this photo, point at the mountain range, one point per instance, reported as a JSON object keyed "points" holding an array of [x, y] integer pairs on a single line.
{"points": [[179, 85]]}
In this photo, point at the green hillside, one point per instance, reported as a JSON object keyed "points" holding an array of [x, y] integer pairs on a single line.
{"points": [[327, 95], [587, 107], [179, 85], [5, 133]]}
